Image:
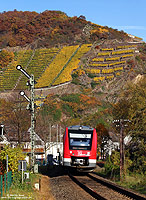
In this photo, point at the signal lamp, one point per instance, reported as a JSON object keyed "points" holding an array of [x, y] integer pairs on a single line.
{"points": [[22, 93], [18, 67]]}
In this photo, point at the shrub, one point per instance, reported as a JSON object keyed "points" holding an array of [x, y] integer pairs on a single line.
{"points": [[67, 108], [71, 98], [5, 58], [14, 154], [112, 165], [57, 115], [93, 84]]}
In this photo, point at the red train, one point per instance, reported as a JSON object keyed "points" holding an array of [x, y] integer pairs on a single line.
{"points": [[80, 147]]}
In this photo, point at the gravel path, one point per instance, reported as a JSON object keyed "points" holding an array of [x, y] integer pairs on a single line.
{"points": [[63, 188]]}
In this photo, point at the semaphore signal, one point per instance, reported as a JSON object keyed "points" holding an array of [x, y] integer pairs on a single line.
{"points": [[31, 83]]}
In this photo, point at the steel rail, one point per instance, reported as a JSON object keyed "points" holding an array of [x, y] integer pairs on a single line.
{"points": [[117, 188], [87, 189]]}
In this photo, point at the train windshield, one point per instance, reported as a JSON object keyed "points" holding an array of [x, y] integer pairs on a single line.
{"points": [[80, 140]]}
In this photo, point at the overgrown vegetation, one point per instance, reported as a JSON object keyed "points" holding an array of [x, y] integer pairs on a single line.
{"points": [[5, 58], [132, 106], [88, 104], [14, 154], [21, 28], [25, 190]]}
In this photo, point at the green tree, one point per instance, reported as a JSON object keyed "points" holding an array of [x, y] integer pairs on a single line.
{"points": [[132, 106], [112, 165]]}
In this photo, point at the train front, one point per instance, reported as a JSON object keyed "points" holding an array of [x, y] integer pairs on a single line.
{"points": [[80, 147]]}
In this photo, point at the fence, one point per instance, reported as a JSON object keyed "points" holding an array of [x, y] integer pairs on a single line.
{"points": [[5, 182]]}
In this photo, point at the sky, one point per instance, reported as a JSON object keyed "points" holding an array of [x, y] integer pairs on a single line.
{"points": [[126, 15]]}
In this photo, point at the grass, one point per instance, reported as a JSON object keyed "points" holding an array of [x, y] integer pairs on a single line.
{"points": [[25, 190], [136, 182]]}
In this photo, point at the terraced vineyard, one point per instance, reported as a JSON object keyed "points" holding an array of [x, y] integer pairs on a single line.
{"points": [[40, 61], [11, 75], [109, 62], [72, 65], [56, 66]]}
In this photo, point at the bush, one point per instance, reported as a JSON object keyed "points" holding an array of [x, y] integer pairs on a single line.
{"points": [[76, 81], [74, 75], [68, 109], [27, 185], [57, 115], [112, 165], [14, 154], [91, 75], [93, 84], [71, 98]]}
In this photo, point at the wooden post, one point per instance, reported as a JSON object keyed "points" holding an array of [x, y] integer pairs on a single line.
{"points": [[121, 150], [40, 184]]}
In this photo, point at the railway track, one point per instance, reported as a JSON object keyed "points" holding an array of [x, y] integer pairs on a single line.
{"points": [[102, 189]]}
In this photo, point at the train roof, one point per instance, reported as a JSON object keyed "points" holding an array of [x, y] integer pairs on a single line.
{"points": [[80, 127]]}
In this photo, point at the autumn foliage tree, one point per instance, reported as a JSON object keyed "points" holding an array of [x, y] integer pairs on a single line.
{"points": [[132, 106], [20, 28], [5, 58], [14, 154], [13, 114], [103, 137]]}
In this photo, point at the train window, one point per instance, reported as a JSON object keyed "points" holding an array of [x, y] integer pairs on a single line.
{"points": [[80, 140]]}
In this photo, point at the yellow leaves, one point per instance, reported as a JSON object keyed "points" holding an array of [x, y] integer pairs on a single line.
{"points": [[93, 71], [99, 30], [110, 77], [107, 71], [112, 59], [103, 30], [94, 31], [129, 55], [126, 46], [138, 38], [103, 54], [98, 65], [107, 49], [122, 52], [72, 65], [5, 58], [118, 74], [98, 79], [56, 66], [14, 154], [118, 69], [78, 72], [98, 59], [117, 63]]}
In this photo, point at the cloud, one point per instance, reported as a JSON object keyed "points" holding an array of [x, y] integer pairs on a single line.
{"points": [[130, 27]]}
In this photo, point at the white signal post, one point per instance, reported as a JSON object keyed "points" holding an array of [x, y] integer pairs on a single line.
{"points": [[32, 110]]}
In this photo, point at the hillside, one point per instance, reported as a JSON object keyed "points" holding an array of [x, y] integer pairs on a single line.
{"points": [[68, 56], [51, 28], [85, 74], [84, 64]]}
